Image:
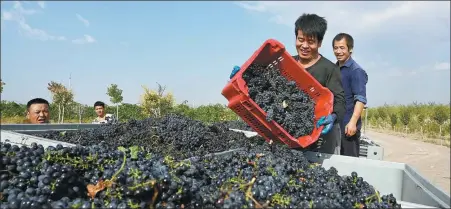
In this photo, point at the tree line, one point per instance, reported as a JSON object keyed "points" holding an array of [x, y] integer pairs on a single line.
{"points": [[429, 120], [153, 103]]}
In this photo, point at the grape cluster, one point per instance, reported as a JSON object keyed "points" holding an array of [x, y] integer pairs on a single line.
{"points": [[235, 124], [281, 99], [95, 176], [175, 135]]}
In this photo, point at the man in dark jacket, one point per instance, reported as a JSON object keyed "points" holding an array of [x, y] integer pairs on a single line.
{"points": [[310, 30], [354, 80]]}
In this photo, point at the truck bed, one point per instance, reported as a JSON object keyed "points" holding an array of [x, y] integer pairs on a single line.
{"points": [[407, 185]]}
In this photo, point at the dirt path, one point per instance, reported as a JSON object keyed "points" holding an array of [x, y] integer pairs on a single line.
{"points": [[430, 160]]}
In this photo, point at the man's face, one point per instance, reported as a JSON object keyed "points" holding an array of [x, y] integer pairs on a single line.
{"points": [[38, 113], [341, 50], [307, 47], [99, 111]]}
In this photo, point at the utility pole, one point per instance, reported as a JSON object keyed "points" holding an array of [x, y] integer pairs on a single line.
{"points": [[70, 81]]}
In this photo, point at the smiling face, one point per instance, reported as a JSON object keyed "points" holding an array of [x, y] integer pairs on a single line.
{"points": [[38, 113], [307, 46], [341, 50]]}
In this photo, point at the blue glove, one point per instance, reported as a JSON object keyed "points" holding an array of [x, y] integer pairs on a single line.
{"points": [[234, 71], [327, 122]]}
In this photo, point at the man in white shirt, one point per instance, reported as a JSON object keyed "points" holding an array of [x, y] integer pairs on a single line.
{"points": [[103, 117]]}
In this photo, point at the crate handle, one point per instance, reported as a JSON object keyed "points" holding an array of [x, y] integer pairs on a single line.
{"points": [[247, 105]]}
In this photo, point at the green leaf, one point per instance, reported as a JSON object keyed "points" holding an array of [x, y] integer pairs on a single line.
{"points": [[123, 149], [134, 152]]}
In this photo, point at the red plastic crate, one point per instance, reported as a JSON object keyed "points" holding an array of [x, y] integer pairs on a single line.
{"points": [[273, 54]]}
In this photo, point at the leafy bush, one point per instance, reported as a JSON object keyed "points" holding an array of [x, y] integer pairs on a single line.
{"points": [[425, 119]]}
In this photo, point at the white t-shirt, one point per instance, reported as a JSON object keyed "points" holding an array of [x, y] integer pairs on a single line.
{"points": [[109, 118]]}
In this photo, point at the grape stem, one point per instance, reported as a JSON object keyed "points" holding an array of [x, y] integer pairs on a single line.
{"points": [[101, 185], [10, 172], [154, 197], [249, 186], [113, 178], [257, 204]]}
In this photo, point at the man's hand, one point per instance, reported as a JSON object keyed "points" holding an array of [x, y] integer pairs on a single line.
{"points": [[327, 122], [350, 128], [234, 71]]}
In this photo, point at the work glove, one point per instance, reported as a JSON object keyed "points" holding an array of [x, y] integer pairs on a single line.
{"points": [[327, 122], [234, 71]]}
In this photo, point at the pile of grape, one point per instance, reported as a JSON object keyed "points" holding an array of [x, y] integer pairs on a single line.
{"points": [[175, 135], [281, 99], [98, 176]]}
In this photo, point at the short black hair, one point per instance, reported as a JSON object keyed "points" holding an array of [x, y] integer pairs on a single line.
{"points": [[311, 25], [99, 103], [37, 101], [347, 37]]}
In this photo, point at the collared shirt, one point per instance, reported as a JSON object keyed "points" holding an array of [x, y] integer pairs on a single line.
{"points": [[328, 75], [109, 118], [354, 80]]}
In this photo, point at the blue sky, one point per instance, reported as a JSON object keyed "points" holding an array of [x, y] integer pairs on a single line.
{"points": [[191, 47]]}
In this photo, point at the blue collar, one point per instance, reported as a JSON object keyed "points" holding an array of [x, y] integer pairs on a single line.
{"points": [[348, 63]]}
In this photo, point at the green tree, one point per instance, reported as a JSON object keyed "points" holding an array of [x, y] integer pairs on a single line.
{"points": [[12, 109], [115, 95], [61, 96], [2, 84], [184, 109], [441, 114], [156, 103], [383, 112], [131, 111], [421, 116], [405, 116], [393, 119]]}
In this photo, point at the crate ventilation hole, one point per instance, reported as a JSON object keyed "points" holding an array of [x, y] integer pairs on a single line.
{"points": [[248, 117]]}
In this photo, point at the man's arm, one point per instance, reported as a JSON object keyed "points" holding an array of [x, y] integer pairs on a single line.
{"points": [[334, 84], [359, 79], [111, 118]]}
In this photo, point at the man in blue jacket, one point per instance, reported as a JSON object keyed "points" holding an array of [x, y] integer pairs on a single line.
{"points": [[354, 80]]}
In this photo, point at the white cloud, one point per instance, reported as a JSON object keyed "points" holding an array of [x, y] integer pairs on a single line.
{"points": [[252, 7], [17, 15], [87, 39], [385, 32], [400, 72], [357, 18], [41, 4], [83, 20], [442, 66], [7, 16]]}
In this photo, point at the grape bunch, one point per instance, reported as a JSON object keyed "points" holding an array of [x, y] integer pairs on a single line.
{"points": [[235, 124], [281, 99], [97, 176]]}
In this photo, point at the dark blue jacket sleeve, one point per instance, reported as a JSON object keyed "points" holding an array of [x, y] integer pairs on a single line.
{"points": [[358, 85], [334, 84]]}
